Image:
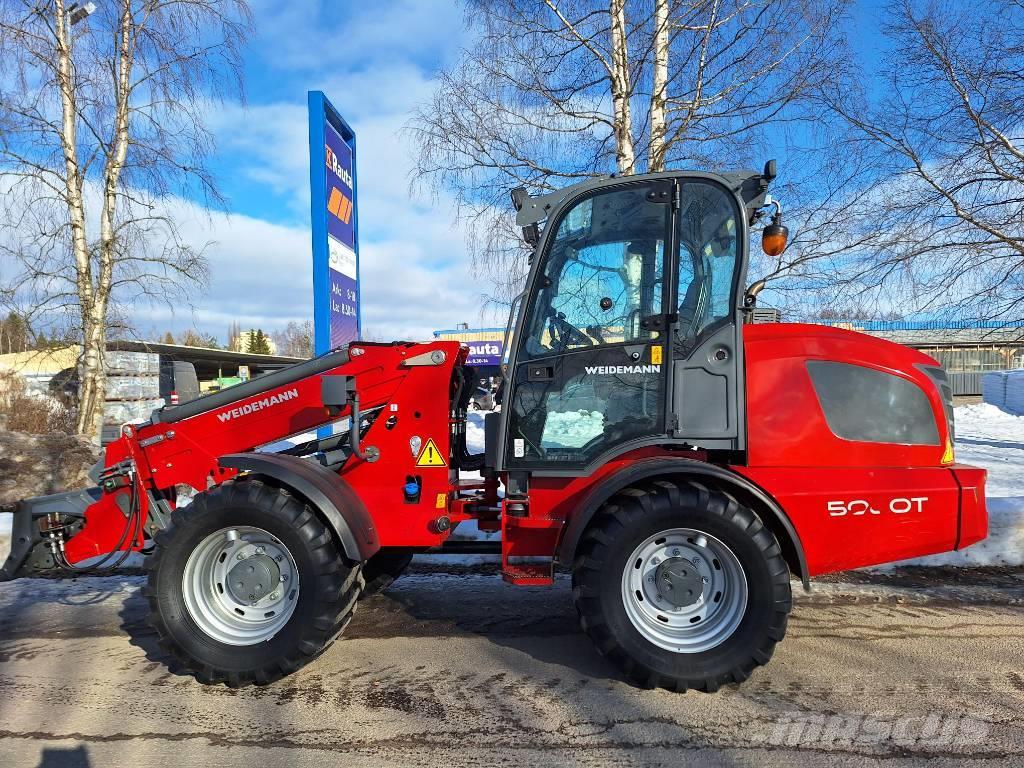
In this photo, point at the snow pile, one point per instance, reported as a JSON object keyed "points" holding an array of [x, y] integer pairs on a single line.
{"points": [[38, 465], [988, 437], [6, 522]]}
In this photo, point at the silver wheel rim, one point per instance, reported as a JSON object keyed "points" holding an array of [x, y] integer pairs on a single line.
{"points": [[684, 590], [241, 585]]}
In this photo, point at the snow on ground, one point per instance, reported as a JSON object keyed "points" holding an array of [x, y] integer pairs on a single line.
{"points": [[993, 439], [5, 536]]}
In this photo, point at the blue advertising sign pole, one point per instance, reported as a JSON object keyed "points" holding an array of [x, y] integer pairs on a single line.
{"points": [[335, 226]]}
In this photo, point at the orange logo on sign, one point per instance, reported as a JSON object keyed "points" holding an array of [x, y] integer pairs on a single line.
{"points": [[339, 205]]}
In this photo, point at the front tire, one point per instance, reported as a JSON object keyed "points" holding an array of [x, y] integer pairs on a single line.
{"points": [[247, 585], [381, 570], [681, 586]]}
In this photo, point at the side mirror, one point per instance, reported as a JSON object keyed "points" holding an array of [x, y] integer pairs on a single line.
{"points": [[775, 236]]}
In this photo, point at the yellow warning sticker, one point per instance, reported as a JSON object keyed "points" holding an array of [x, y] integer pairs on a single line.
{"points": [[430, 456], [442, 501], [656, 355]]}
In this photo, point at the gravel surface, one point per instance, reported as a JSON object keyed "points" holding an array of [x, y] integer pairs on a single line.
{"points": [[452, 666]]}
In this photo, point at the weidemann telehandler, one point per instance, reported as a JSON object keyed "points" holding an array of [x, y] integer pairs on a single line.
{"points": [[682, 460]]}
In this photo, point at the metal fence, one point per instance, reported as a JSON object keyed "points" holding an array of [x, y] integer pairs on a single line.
{"points": [[966, 383]]}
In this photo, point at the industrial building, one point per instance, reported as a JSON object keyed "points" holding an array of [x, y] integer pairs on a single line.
{"points": [[965, 349]]}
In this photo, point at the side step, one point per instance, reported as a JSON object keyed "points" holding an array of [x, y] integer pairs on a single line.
{"points": [[466, 548], [529, 574]]}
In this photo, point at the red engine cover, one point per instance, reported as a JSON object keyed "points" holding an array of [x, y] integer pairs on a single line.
{"points": [[853, 503]]}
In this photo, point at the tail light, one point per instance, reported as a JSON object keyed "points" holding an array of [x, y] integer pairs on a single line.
{"points": [[175, 400]]}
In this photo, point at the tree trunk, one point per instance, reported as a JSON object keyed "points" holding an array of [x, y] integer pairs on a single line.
{"points": [[91, 384], [656, 150], [621, 87]]}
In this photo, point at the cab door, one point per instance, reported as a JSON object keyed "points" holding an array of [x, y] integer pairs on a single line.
{"points": [[590, 372], [707, 338]]}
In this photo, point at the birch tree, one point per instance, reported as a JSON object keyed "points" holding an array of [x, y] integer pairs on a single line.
{"points": [[659, 86], [554, 93], [937, 222], [101, 124]]}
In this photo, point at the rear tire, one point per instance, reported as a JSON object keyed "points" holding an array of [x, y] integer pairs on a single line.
{"points": [[681, 586], [381, 570], [223, 625]]}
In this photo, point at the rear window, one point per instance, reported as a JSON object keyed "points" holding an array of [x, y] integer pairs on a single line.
{"points": [[872, 406]]}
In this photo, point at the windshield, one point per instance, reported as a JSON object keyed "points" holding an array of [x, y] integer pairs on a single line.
{"points": [[603, 274]]}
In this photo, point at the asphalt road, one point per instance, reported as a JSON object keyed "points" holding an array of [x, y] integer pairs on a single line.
{"points": [[458, 669]]}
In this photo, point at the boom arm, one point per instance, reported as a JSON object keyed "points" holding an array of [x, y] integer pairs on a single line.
{"points": [[184, 445]]}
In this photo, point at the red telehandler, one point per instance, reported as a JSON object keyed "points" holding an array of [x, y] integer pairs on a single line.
{"points": [[683, 461]]}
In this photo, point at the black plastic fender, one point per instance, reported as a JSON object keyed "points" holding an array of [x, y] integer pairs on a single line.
{"points": [[340, 506], [681, 467]]}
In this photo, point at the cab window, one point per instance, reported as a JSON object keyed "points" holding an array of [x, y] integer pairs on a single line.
{"points": [[602, 275], [707, 230]]}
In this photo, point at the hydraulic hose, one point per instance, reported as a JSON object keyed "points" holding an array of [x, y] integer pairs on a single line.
{"points": [[132, 525]]}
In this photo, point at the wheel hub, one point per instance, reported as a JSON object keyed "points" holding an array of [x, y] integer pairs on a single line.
{"points": [[240, 585], [678, 582], [253, 578], [684, 590]]}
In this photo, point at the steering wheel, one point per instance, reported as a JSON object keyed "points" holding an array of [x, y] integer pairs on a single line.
{"points": [[564, 334]]}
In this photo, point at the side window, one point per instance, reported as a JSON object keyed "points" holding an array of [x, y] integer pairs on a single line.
{"points": [[707, 258], [873, 406], [602, 274]]}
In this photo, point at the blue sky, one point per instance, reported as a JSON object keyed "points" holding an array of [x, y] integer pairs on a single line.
{"points": [[375, 61]]}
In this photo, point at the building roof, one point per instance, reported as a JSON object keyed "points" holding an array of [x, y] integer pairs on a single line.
{"points": [[192, 354], [457, 331], [918, 333], [208, 362], [40, 362]]}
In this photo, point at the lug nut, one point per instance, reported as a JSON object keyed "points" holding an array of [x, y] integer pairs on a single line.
{"points": [[260, 550], [274, 596], [284, 577], [241, 556]]}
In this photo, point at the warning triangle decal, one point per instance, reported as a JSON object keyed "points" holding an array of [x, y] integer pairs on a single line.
{"points": [[430, 456]]}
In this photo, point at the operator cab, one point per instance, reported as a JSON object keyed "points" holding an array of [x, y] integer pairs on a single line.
{"points": [[630, 331]]}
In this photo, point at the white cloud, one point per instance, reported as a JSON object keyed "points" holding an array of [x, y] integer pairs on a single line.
{"points": [[374, 64], [261, 276]]}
